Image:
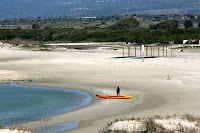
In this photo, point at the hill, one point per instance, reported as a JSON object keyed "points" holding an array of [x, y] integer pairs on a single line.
{"points": [[91, 8]]}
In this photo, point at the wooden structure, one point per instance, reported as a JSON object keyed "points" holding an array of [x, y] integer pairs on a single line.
{"points": [[151, 50]]}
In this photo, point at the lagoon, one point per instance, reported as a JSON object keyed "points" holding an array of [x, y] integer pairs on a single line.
{"points": [[22, 104]]}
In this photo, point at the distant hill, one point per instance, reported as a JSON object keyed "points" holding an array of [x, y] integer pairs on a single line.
{"points": [[92, 8]]}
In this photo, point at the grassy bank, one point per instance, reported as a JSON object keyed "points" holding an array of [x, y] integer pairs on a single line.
{"points": [[95, 34]]}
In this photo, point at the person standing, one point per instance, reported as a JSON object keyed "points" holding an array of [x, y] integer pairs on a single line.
{"points": [[118, 91]]}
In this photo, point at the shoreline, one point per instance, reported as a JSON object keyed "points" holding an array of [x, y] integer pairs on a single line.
{"points": [[97, 72], [16, 120], [94, 103]]}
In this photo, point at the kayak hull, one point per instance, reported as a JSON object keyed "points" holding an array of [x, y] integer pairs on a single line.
{"points": [[115, 97]]}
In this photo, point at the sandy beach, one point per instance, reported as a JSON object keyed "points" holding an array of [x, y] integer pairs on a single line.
{"points": [[98, 71]]}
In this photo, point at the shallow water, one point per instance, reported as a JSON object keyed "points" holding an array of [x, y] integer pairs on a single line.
{"points": [[57, 128], [21, 104]]}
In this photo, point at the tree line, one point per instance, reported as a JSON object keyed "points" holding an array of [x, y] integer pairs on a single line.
{"points": [[127, 30]]}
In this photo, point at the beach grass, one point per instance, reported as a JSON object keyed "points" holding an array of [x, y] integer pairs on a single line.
{"points": [[18, 128], [189, 117], [2, 126], [150, 124]]}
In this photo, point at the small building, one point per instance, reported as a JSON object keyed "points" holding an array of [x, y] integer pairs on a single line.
{"points": [[191, 41]]}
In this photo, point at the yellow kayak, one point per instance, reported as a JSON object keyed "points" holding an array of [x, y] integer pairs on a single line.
{"points": [[115, 97]]}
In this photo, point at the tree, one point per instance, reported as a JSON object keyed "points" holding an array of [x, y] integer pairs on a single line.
{"points": [[35, 26], [188, 23], [199, 22], [168, 24], [129, 23]]}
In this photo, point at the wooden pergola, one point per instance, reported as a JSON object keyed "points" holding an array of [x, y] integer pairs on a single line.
{"points": [[150, 50]]}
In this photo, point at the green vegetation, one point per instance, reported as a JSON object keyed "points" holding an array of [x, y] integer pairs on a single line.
{"points": [[199, 22], [129, 23], [102, 21], [35, 26], [168, 24], [122, 31], [188, 23]]}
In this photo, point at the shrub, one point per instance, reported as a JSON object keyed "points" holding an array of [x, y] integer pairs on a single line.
{"points": [[168, 24], [129, 23], [188, 23]]}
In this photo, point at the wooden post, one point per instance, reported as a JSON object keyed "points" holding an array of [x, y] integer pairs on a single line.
{"points": [[142, 53], [123, 51], [163, 51], [146, 51], [151, 51], [128, 51], [140, 50], [158, 51], [135, 51], [166, 50], [171, 50]]}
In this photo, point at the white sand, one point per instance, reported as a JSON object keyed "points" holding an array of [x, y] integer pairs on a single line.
{"points": [[129, 126], [12, 131], [97, 72]]}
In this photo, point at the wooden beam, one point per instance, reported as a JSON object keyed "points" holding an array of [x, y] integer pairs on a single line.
{"points": [[158, 51], [171, 50], [146, 51], [128, 51], [135, 51], [163, 51], [166, 50], [123, 50], [153, 50]]}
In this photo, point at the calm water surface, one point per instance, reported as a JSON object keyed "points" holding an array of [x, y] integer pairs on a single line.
{"points": [[21, 104]]}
